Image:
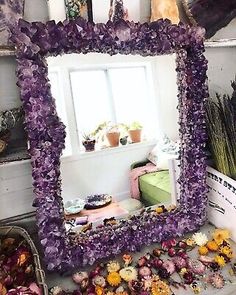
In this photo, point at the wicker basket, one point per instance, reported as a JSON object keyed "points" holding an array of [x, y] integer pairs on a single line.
{"points": [[18, 231]]}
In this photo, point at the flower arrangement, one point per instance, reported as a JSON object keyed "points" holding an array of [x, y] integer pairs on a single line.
{"points": [[17, 270], [46, 133], [155, 273]]}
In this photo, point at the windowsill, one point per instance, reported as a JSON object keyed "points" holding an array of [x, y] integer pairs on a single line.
{"points": [[108, 151], [84, 155]]}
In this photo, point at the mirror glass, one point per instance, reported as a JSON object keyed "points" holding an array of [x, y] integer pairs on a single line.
{"points": [[121, 119]]}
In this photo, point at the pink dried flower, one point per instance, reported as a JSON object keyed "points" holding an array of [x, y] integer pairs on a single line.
{"points": [[145, 271], [179, 262], [169, 266], [168, 244]]}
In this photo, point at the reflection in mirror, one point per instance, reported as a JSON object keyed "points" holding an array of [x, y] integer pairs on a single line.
{"points": [[121, 120]]}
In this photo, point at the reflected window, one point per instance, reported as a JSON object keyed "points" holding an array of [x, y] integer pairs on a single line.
{"points": [[118, 95]]}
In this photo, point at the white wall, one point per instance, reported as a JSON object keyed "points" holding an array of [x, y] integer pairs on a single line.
{"points": [[221, 69]]}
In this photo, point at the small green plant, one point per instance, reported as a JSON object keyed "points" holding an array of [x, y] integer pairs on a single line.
{"points": [[135, 126], [88, 136]]}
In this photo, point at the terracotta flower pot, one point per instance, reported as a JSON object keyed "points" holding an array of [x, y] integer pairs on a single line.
{"points": [[113, 138], [135, 135]]}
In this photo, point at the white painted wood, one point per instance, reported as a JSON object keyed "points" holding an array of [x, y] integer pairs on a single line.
{"points": [[221, 43]]}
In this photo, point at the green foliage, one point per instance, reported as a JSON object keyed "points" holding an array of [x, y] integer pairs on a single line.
{"points": [[135, 126]]}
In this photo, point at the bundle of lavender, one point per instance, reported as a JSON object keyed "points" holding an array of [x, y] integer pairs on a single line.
{"points": [[221, 126]]}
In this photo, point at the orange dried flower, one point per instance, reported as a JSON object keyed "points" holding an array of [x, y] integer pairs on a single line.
{"points": [[212, 246], [113, 279], [99, 290], [203, 250]]}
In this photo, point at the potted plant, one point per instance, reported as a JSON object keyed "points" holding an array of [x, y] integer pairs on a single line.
{"points": [[135, 131], [113, 135], [88, 142]]}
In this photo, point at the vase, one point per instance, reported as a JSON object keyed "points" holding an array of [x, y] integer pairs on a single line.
{"points": [[113, 138], [135, 135]]}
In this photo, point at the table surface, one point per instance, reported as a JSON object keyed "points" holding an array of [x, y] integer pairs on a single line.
{"points": [[111, 210]]}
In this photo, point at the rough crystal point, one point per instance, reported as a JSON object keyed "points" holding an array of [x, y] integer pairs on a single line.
{"points": [[122, 30]]}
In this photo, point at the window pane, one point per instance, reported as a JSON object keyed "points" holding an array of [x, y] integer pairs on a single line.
{"points": [[60, 104], [130, 92], [91, 99]]}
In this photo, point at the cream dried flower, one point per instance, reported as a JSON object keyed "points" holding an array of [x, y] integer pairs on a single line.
{"points": [[113, 266], [200, 239], [128, 273]]}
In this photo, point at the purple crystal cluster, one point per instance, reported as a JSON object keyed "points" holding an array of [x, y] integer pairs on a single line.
{"points": [[46, 133]]}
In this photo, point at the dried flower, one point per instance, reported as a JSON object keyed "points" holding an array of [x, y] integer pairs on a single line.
{"points": [[217, 280], [127, 258], [159, 210], [99, 281], [212, 246], [168, 244], [220, 260], [196, 266], [200, 239], [169, 266], [157, 252], [145, 271], [160, 288], [128, 273], [190, 242], [79, 276], [203, 250], [219, 235], [227, 251], [113, 266], [179, 262], [188, 277], [99, 290], [114, 279]]}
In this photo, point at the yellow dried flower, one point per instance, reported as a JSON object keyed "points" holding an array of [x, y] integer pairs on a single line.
{"points": [[220, 260], [219, 235], [113, 266], [113, 279], [226, 250], [203, 250], [159, 210], [160, 288]]}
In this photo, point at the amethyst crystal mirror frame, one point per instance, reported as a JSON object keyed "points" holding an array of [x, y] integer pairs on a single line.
{"points": [[46, 133]]}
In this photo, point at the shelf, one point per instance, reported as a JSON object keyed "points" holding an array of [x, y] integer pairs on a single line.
{"points": [[13, 155], [220, 43], [7, 52]]}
